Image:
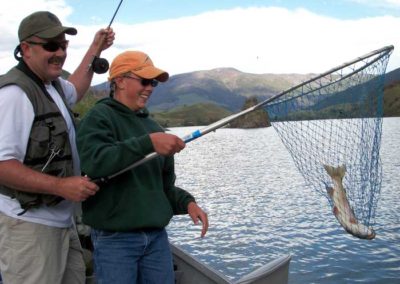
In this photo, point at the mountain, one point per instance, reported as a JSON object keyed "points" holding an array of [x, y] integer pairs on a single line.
{"points": [[227, 88], [191, 115], [392, 93], [102, 87], [222, 91]]}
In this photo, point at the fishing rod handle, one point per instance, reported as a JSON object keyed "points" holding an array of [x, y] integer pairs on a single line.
{"points": [[100, 181], [192, 136]]}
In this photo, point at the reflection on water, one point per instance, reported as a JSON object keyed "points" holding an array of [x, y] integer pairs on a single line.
{"points": [[259, 208]]}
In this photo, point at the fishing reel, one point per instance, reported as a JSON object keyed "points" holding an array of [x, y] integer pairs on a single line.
{"points": [[17, 51], [99, 65]]}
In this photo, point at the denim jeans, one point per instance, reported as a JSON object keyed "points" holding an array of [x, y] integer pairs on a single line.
{"points": [[132, 257]]}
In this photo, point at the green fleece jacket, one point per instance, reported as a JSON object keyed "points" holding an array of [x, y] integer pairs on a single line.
{"points": [[110, 138]]}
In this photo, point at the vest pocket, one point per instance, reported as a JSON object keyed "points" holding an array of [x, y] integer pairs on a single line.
{"points": [[47, 145], [38, 145]]}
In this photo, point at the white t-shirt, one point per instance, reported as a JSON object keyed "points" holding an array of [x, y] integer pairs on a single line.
{"points": [[16, 117]]}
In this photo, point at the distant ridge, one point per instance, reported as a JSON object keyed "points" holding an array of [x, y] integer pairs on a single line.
{"points": [[216, 93], [105, 86], [225, 87], [392, 94]]}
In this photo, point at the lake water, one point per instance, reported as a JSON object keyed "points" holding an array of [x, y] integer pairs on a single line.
{"points": [[259, 208]]}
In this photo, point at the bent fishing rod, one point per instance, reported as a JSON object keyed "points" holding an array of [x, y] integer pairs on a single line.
{"points": [[101, 65], [224, 121]]}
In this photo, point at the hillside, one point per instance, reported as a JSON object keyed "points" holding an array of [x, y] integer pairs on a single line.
{"points": [[226, 89], [254, 119], [392, 94], [192, 115]]}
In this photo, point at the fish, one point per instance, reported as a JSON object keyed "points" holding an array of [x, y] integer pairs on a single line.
{"points": [[341, 207]]}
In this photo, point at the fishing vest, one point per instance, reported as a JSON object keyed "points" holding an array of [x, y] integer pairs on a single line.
{"points": [[48, 150]]}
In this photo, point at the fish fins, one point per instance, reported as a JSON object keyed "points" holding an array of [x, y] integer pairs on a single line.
{"points": [[336, 171], [329, 190], [335, 211]]}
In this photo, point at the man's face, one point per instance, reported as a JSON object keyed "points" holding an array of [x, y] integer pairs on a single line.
{"points": [[45, 57]]}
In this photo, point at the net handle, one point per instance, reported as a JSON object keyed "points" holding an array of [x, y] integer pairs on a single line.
{"points": [[224, 121]]}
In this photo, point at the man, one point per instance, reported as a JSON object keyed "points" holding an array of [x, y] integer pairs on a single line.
{"points": [[39, 168], [129, 213]]}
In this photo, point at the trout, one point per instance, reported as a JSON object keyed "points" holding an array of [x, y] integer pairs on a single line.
{"points": [[341, 207]]}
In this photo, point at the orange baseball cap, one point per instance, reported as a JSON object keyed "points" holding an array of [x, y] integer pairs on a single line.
{"points": [[137, 62]]}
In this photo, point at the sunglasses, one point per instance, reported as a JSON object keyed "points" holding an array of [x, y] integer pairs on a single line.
{"points": [[51, 46], [145, 82]]}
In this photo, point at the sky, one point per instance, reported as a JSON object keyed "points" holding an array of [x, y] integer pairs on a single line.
{"points": [[276, 36]]}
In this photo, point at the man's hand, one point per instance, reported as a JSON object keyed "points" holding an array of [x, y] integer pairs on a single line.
{"points": [[76, 188], [81, 77], [16, 175], [104, 38]]}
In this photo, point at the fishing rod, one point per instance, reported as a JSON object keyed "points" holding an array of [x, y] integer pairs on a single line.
{"points": [[101, 65], [224, 121]]}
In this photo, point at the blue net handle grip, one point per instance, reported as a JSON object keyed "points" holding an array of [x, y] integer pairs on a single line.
{"points": [[192, 136]]}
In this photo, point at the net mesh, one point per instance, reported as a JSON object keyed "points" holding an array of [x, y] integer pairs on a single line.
{"points": [[332, 127]]}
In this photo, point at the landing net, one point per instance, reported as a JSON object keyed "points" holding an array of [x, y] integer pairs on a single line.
{"points": [[332, 127]]}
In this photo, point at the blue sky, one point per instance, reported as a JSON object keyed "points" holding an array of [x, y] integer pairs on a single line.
{"points": [[252, 36], [133, 11]]}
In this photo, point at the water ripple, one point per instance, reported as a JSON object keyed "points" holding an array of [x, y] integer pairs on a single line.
{"points": [[259, 208]]}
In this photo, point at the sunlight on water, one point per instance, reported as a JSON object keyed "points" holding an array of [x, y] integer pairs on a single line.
{"points": [[259, 208]]}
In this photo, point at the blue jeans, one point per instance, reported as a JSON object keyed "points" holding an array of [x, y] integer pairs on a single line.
{"points": [[132, 257]]}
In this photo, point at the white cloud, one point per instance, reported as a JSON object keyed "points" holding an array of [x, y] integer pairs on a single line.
{"points": [[393, 2], [11, 14], [381, 3], [254, 40]]}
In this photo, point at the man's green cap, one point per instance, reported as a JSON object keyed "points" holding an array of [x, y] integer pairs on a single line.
{"points": [[42, 24]]}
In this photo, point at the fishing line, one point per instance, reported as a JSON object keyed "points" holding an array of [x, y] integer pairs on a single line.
{"points": [[101, 65]]}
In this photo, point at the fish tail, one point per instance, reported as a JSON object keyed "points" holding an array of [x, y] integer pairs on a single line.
{"points": [[335, 171]]}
